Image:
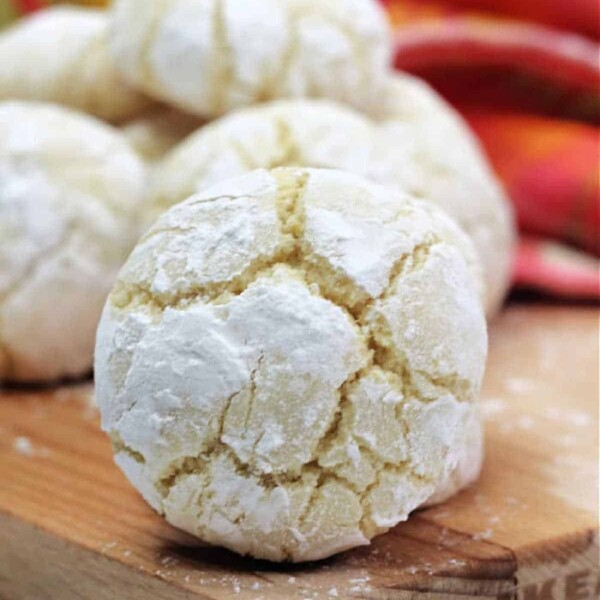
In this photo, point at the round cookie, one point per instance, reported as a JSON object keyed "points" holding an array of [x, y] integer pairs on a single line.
{"points": [[61, 55], [421, 147], [210, 56], [438, 158], [70, 190], [154, 134], [287, 362]]}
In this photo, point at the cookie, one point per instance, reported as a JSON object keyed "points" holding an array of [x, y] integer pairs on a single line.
{"points": [[70, 191], [287, 363], [210, 56]]}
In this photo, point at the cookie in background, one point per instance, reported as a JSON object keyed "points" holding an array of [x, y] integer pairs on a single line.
{"points": [[60, 55], [70, 191], [209, 57], [296, 352]]}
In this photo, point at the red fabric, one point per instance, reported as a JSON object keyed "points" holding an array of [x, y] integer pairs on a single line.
{"points": [[551, 171], [553, 268], [575, 15], [519, 83], [506, 89], [26, 6], [569, 59]]}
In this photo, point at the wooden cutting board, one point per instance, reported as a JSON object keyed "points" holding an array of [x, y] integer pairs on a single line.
{"points": [[71, 527]]}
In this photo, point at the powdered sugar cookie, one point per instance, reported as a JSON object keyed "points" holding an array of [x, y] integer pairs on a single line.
{"points": [[211, 56], [61, 55], [70, 190], [287, 361]]}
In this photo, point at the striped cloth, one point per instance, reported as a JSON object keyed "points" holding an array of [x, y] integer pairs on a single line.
{"points": [[526, 76]]}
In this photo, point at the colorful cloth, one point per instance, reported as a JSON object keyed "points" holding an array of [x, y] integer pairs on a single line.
{"points": [[11, 9], [520, 71], [520, 83]]}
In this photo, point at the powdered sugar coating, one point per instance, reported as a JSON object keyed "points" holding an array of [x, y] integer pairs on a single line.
{"points": [[61, 55], [70, 190], [301, 388], [468, 454], [416, 145], [211, 56]]}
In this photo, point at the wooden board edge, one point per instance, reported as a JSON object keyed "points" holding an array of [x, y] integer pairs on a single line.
{"points": [[563, 569], [66, 571]]}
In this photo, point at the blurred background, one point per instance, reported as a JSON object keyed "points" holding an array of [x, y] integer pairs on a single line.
{"points": [[526, 75]]}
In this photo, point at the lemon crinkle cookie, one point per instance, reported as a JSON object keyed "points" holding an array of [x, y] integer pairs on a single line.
{"points": [[211, 56], [70, 190], [287, 362], [61, 55], [417, 145]]}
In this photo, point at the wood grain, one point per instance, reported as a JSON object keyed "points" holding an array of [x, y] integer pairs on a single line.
{"points": [[71, 527]]}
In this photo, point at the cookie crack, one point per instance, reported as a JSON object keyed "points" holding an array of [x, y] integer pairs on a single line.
{"points": [[222, 59], [67, 87], [119, 446], [338, 289], [159, 8], [272, 84], [37, 264], [126, 295]]}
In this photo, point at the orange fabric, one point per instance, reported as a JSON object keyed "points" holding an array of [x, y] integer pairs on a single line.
{"points": [[508, 77], [576, 15], [430, 34], [551, 170]]}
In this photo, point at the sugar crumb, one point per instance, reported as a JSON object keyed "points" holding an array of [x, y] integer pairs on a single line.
{"points": [[483, 535], [490, 407], [525, 422], [518, 385], [24, 446]]}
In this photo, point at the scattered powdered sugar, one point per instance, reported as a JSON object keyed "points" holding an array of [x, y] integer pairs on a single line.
{"points": [[525, 422], [455, 562], [567, 440], [574, 418], [519, 386], [483, 535], [25, 447], [490, 407], [108, 546], [357, 589]]}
